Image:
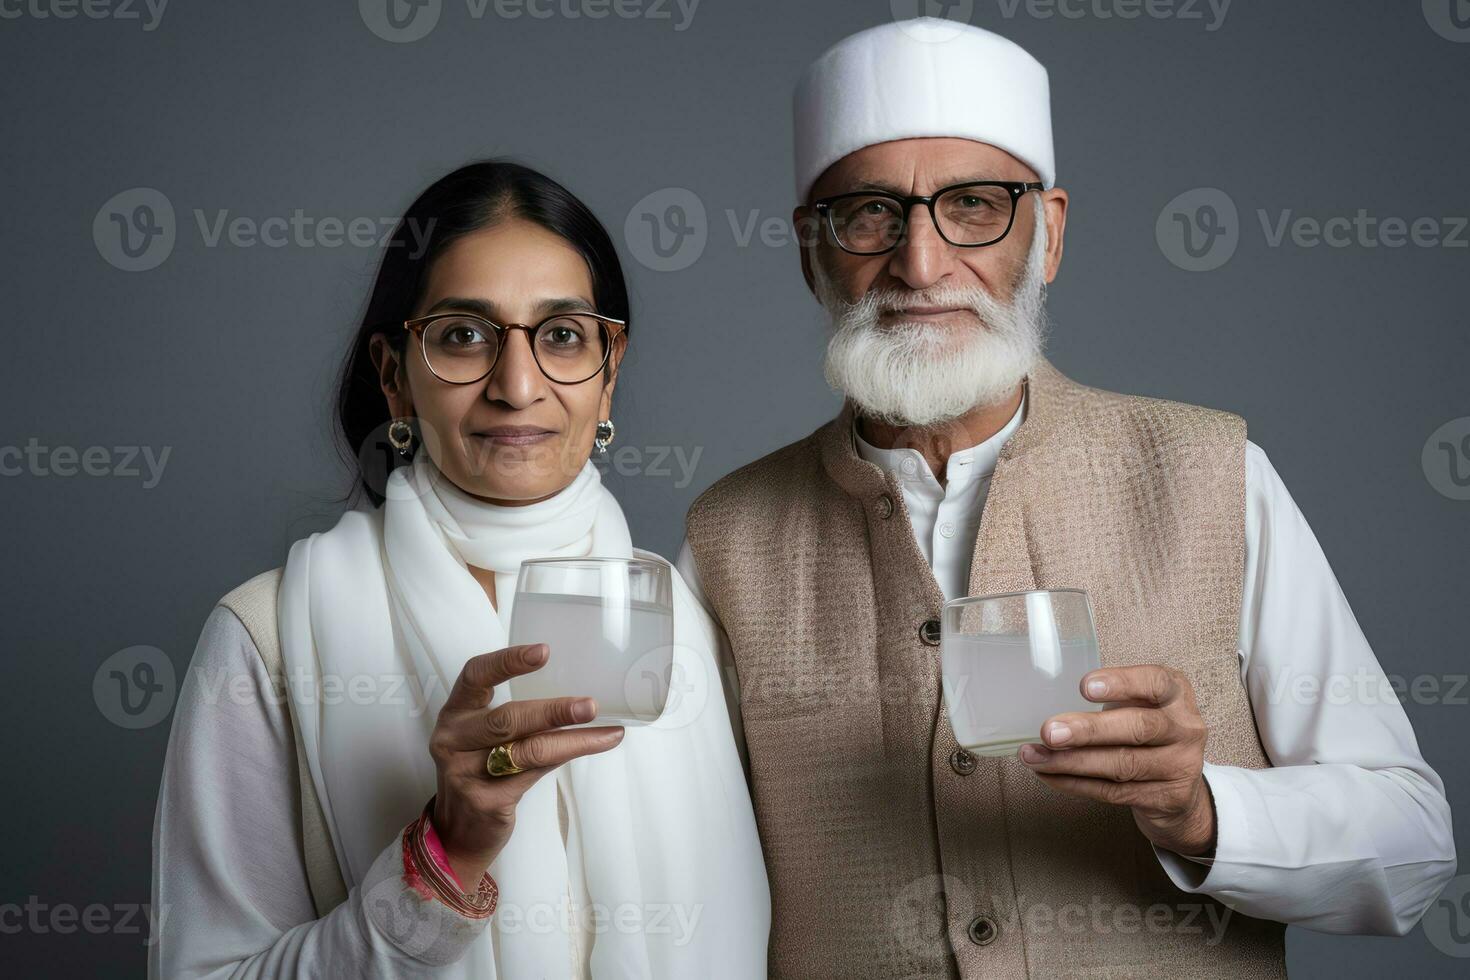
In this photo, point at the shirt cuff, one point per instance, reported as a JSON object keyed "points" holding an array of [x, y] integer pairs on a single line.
{"points": [[1229, 872], [435, 847], [402, 910], [434, 879]]}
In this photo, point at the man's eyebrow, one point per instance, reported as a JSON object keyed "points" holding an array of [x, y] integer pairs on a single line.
{"points": [[488, 310], [878, 184]]}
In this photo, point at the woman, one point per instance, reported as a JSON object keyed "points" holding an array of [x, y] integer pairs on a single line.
{"points": [[392, 816]]}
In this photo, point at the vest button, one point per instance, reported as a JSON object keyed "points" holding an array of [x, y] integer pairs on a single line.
{"points": [[885, 506], [962, 762], [929, 632], [983, 930]]}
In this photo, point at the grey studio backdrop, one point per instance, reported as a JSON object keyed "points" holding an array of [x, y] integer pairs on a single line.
{"points": [[193, 197]]}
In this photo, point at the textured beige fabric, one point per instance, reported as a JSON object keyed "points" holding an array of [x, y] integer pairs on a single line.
{"points": [[884, 849], [254, 602]]}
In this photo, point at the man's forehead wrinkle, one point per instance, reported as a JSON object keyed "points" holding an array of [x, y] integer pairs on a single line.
{"points": [[915, 176]]}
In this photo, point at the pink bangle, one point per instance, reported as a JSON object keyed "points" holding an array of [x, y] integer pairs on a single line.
{"points": [[435, 847], [422, 868]]}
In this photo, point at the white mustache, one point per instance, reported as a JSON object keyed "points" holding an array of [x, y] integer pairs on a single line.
{"points": [[971, 299]]}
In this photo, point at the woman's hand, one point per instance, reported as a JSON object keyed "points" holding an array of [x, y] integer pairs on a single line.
{"points": [[474, 812]]}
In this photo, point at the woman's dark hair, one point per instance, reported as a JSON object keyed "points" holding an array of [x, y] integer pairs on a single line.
{"points": [[471, 198]]}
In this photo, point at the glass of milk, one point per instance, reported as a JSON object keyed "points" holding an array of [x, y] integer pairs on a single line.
{"points": [[609, 623], [1012, 661]]}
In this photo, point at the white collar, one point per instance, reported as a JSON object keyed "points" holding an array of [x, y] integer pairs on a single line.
{"points": [[964, 465]]}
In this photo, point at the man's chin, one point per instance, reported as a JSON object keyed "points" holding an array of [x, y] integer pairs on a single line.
{"points": [[905, 416], [938, 413]]}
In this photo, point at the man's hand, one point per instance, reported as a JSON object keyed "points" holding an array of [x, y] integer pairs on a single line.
{"points": [[1145, 752]]}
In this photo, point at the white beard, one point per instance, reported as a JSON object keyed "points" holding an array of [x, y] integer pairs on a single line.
{"points": [[925, 375]]}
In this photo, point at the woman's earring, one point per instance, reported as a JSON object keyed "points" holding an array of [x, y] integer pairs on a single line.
{"points": [[605, 432], [400, 434]]}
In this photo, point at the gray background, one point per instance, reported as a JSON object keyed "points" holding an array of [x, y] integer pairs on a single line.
{"points": [[1343, 360]]}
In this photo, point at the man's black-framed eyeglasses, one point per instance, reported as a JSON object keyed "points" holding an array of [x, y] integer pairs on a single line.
{"points": [[462, 348], [968, 215]]}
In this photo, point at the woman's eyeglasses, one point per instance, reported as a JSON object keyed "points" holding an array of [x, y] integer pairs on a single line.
{"points": [[462, 348]]}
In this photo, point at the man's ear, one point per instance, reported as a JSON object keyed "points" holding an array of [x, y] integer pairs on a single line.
{"points": [[803, 220], [1055, 205]]}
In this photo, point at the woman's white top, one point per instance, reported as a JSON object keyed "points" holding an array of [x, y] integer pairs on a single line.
{"points": [[655, 870]]}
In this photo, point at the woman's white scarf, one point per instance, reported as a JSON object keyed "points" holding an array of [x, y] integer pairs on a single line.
{"points": [[661, 843]]}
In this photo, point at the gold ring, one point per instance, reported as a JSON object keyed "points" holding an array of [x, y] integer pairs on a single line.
{"points": [[499, 763]]}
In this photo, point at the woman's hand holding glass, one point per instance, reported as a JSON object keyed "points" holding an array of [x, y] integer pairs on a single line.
{"points": [[474, 812]]}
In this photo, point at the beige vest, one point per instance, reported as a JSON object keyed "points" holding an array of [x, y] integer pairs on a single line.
{"points": [[893, 853], [254, 602]]}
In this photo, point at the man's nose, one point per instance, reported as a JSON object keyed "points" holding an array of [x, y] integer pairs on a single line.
{"points": [[922, 257]]}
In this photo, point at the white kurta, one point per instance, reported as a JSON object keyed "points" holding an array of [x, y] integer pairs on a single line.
{"points": [[1350, 831], [229, 864], [228, 852]]}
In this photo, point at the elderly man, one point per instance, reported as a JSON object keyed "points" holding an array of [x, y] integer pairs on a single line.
{"points": [[1218, 797]]}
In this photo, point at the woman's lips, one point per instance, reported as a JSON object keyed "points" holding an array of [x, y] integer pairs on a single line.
{"points": [[515, 435]]}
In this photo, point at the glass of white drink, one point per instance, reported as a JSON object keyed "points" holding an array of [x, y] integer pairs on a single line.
{"points": [[1012, 661], [609, 623]]}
